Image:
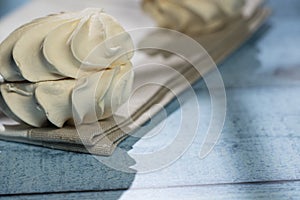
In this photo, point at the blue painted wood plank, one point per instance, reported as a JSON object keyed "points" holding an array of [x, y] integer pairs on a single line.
{"points": [[274, 191], [251, 148], [259, 142]]}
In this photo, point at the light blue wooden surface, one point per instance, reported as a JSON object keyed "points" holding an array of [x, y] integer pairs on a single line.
{"points": [[7, 6], [260, 142]]}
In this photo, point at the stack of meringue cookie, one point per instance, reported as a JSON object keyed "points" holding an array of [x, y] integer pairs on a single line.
{"points": [[66, 65], [193, 17]]}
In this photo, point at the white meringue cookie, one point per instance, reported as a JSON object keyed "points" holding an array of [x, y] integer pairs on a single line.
{"points": [[193, 16], [64, 61]]}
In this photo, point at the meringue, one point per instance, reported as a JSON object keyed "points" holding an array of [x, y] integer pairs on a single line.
{"points": [[66, 65], [193, 16]]}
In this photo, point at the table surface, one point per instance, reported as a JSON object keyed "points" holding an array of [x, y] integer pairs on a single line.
{"points": [[257, 156]]}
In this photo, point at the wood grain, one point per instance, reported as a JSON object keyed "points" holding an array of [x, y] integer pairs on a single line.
{"points": [[252, 148]]}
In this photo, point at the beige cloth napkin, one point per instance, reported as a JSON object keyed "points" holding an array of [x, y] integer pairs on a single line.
{"points": [[104, 140]]}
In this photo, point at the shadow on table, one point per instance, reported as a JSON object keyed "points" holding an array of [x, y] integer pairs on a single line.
{"points": [[26, 169]]}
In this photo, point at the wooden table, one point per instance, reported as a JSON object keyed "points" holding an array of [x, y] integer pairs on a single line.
{"points": [[257, 156]]}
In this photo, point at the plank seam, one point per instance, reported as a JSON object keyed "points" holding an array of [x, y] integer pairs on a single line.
{"points": [[268, 182]]}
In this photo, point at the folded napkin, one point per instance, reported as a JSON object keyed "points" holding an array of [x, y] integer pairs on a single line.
{"points": [[103, 137]]}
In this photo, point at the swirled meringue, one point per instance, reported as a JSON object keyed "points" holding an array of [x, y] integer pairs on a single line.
{"points": [[193, 16], [63, 65]]}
